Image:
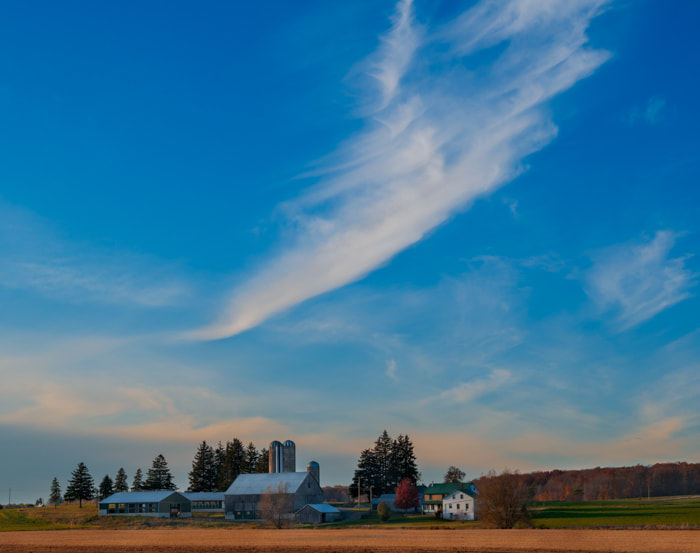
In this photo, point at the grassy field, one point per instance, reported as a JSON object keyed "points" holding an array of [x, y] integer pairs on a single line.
{"points": [[678, 513], [616, 513], [48, 518], [400, 521]]}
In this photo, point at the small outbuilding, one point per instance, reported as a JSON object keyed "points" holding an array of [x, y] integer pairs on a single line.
{"points": [[317, 513], [164, 504]]}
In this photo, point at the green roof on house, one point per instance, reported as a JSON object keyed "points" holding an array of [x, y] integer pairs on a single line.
{"points": [[448, 487]]}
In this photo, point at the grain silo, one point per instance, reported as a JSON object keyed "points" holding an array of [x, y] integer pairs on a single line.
{"points": [[289, 457], [275, 457], [315, 470]]}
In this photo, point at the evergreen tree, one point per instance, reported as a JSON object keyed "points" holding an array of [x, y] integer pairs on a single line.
{"points": [[203, 474], [121, 483], [55, 495], [219, 457], [137, 484], [403, 460], [251, 460], [365, 474], [384, 466], [234, 463], [81, 486], [262, 466], [159, 476], [106, 487]]}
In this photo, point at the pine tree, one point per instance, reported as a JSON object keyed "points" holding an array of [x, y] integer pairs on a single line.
{"points": [[106, 487], [159, 476], [203, 474], [262, 466], [55, 495], [251, 459], [403, 460], [385, 465], [233, 463], [81, 485], [121, 483], [137, 484]]}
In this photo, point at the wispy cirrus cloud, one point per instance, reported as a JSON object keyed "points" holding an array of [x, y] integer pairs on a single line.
{"points": [[442, 136], [639, 280], [472, 390]]}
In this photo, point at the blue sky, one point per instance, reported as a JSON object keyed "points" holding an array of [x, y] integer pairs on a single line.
{"points": [[474, 223]]}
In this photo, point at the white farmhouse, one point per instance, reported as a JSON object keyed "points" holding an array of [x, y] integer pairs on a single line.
{"points": [[458, 505]]}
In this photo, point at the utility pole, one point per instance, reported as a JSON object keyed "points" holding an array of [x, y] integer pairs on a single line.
{"points": [[358, 492]]}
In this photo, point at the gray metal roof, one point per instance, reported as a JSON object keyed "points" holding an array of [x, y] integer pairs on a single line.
{"points": [[255, 484], [139, 497], [204, 496], [322, 507]]}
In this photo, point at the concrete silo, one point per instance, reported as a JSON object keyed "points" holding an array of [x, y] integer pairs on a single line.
{"points": [[289, 457], [275, 457]]}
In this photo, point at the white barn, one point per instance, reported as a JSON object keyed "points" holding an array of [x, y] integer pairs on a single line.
{"points": [[458, 505]]}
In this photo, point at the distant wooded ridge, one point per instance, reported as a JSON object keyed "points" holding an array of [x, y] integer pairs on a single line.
{"points": [[661, 479]]}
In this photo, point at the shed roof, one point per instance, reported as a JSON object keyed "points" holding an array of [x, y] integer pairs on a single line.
{"points": [[321, 507], [141, 497], [255, 484], [204, 496]]}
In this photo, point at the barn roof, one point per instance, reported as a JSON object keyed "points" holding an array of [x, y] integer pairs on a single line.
{"points": [[255, 484], [140, 497]]}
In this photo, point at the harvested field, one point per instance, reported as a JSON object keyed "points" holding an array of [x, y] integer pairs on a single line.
{"points": [[350, 541]]}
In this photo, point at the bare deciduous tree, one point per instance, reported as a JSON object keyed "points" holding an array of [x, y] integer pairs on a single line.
{"points": [[501, 499], [276, 505]]}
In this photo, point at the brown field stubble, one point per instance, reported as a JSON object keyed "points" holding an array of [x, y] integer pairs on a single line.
{"points": [[356, 540]]}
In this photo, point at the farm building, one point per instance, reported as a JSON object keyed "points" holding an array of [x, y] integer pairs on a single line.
{"points": [[435, 493], [458, 505], [153, 504], [317, 513], [206, 502], [242, 499]]}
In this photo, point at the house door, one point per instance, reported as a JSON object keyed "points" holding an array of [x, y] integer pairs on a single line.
{"points": [[174, 510]]}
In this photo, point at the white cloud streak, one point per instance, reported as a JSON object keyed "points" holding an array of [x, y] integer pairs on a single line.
{"points": [[443, 135], [639, 280]]}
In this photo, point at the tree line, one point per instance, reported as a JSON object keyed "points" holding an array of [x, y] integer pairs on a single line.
{"points": [[381, 468], [213, 469], [661, 479]]}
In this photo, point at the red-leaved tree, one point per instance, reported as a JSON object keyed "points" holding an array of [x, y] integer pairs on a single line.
{"points": [[406, 495]]}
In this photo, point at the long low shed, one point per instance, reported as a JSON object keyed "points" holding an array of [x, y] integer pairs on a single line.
{"points": [[164, 504], [206, 502]]}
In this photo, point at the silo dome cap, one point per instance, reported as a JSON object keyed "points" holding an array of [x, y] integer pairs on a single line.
{"points": [[313, 464]]}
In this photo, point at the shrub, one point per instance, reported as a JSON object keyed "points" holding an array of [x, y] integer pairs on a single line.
{"points": [[383, 511]]}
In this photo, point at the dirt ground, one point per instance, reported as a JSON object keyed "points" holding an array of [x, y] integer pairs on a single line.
{"points": [[350, 541]]}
